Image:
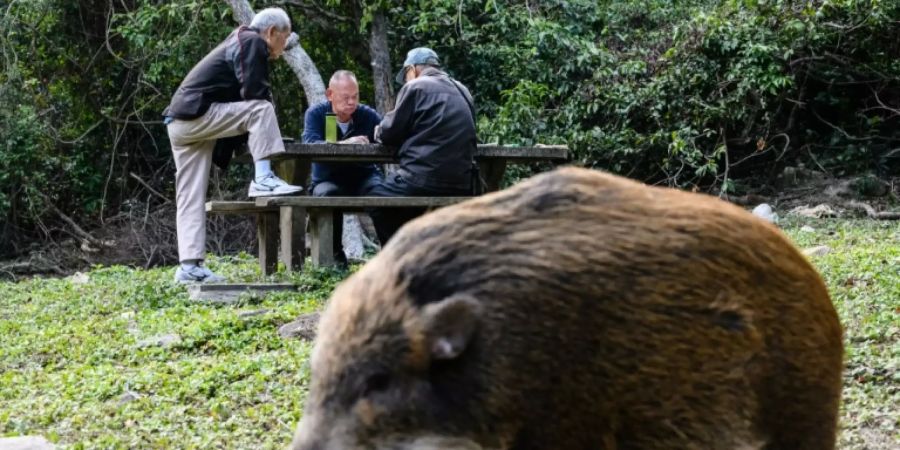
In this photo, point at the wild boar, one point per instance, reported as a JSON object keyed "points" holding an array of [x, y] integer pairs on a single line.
{"points": [[579, 310]]}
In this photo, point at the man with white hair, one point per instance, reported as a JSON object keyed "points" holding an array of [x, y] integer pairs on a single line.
{"points": [[223, 98]]}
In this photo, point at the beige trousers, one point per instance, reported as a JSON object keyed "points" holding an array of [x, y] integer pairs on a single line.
{"points": [[192, 146]]}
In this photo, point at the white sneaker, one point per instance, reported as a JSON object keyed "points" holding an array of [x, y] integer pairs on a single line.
{"points": [[196, 274], [272, 185]]}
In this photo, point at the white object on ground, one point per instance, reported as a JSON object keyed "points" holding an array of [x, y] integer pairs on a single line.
{"points": [[765, 212]]}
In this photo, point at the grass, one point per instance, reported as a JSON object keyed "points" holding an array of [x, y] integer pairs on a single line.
{"points": [[72, 367], [72, 350], [863, 275]]}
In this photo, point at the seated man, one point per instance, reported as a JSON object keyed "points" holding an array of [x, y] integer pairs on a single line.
{"points": [[225, 96], [434, 126], [356, 125]]}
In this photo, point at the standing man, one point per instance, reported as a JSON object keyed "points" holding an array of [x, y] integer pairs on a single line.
{"points": [[356, 125], [226, 95], [434, 126]]}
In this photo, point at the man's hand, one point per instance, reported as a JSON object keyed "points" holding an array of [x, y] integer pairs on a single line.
{"points": [[355, 140]]}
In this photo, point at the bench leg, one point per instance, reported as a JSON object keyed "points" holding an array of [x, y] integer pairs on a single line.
{"points": [[322, 236], [492, 173], [293, 237], [267, 237]]}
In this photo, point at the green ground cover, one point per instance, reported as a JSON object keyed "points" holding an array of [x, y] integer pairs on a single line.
{"points": [[74, 365]]}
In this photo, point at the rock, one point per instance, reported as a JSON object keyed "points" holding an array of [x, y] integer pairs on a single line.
{"points": [[817, 212], [163, 340], [26, 443], [128, 396], [842, 188], [819, 250], [88, 248], [253, 313], [304, 327], [358, 237], [765, 212], [807, 229], [79, 278], [231, 293], [352, 239], [369, 231]]}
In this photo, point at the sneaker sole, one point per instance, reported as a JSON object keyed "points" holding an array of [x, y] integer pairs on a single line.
{"points": [[272, 194]]}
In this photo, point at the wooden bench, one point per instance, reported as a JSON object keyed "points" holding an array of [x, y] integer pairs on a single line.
{"points": [[267, 228], [320, 211]]}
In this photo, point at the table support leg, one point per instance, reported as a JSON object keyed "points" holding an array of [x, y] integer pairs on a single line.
{"points": [[321, 234]]}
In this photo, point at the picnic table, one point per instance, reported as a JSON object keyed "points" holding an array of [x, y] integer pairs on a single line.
{"points": [[281, 221]]}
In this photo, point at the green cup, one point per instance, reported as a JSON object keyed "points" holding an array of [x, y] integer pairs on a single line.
{"points": [[330, 128]]}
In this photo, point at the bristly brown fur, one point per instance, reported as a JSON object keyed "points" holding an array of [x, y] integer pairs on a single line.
{"points": [[612, 315]]}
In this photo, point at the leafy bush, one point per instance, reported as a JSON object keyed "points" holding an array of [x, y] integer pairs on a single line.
{"points": [[682, 92]]}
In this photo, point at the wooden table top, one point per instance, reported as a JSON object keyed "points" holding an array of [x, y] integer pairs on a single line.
{"points": [[383, 153]]}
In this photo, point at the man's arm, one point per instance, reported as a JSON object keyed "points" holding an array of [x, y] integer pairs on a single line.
{"points": [[396, 124], [372, 119], [313, 127], [251, 66]]}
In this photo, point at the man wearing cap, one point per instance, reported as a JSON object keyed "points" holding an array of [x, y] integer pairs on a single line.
{"points": [[433, 124], [355, 125], [223, 98]]}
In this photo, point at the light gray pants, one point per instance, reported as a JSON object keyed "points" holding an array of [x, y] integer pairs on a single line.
{"points": [[192, 146]]}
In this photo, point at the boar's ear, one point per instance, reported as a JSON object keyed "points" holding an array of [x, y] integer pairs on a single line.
{"points": [[449, 325]]}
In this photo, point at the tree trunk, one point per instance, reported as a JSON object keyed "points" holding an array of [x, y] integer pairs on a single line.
{"points": [[306, 71], [241, 10], [380, 54], [381, 63]]}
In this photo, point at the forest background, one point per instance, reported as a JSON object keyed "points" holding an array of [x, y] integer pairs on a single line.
{"points": [[715, 96]]}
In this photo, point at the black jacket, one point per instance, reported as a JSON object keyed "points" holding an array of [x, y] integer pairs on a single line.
{"points": [[434, 127], [236, 70]]}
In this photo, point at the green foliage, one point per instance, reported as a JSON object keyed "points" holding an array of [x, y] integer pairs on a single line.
{"points": [[231, 382], [83, 87], [864, 282], [678, 91], [689, 93], [74, 351]]}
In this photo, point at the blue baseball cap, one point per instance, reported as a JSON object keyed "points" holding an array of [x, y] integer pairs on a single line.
{"points": [[417, 56]]}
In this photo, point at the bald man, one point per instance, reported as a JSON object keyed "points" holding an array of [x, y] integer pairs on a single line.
{"points": [[355, 125]]}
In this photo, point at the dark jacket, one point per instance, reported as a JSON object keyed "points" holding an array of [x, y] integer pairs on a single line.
{"points": [[362, 123], [236, 70], [434, 127]]}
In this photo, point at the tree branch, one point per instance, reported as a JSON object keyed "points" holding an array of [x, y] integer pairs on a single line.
{"points": [[870, 211], [153, 191], [77, 229]]}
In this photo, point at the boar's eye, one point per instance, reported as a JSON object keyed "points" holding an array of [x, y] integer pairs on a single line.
{"points": [[376, 382]]}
